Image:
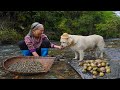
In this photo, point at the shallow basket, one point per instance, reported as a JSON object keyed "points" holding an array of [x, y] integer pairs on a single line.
{"points": [[45, 61]]}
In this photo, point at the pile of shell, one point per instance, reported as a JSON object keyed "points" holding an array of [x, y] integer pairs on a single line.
{"points": [[96, 67], [26, 67]]}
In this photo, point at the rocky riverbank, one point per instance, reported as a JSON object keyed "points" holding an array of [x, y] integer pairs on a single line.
{"points": [[8, 51]]}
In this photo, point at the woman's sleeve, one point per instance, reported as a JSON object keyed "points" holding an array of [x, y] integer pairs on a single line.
{"points": [[29, 43], [51, 44]]}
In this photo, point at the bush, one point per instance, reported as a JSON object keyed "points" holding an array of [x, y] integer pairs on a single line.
{"points": [[9, 36]]}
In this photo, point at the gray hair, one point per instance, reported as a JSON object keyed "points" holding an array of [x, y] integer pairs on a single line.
{"points": [[34, 26]]}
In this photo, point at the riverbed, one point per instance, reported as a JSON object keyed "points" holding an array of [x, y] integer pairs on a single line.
{"points": [[59, 70]]}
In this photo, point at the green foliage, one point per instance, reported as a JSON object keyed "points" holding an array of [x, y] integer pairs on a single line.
{"points": [[104, 23], [9, 35], [110, 28]]}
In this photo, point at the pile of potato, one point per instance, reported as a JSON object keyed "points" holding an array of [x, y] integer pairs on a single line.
{"points": [[96, 67]]}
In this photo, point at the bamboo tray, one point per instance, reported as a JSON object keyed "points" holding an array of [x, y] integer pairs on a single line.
{"points": [[45, 61]]}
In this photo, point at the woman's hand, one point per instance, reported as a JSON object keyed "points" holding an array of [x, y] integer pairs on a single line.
{"points": [[35, 54], [59, 47]]}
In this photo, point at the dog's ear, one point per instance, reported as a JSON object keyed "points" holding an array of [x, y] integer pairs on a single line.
{"points": [[65, 35], [70, 41]]}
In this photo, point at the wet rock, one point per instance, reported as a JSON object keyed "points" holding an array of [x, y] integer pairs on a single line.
{"points": [[59, 57]]}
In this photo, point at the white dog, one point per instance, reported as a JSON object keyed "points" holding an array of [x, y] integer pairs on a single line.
{"points": [[80, 43]]}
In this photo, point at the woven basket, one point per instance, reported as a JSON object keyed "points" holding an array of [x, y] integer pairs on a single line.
{"points": [[45, 61]]}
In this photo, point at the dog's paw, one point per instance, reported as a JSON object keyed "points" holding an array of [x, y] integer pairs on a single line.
{"points": [[75, 58], [80, 63], [80, 60]]}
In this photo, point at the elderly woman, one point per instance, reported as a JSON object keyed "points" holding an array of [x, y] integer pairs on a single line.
{"points": [[35, 42]]}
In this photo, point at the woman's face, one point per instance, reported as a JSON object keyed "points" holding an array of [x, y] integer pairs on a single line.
{"points": [[37, 33]]}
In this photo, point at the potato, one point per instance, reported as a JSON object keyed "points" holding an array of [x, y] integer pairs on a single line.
{"points": [[91, 71], [84, 64], [81, 63], [105, 61], [93, 65], [89, 68], [95, 68], [94, 73], [103, 64], [107, 67], [98, 69], [87, 61], [96, 63], [108, 70], [101, 74], [107, 64], [99, 65], [88, 65], [84, 70], [98, 60], [102, 69], [91, 61], [84, 67]]}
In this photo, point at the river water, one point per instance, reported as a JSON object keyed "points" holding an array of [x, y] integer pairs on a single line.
{"points": [[112, 51]]}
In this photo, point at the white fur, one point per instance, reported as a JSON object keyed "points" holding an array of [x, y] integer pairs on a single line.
{"points": [[80, 43]]}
